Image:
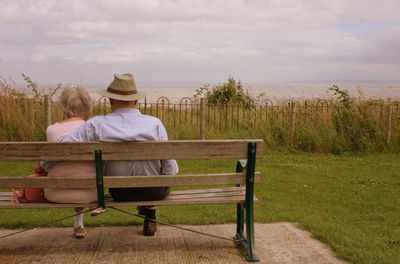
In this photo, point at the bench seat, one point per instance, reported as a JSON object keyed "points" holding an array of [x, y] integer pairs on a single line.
{"points": [[232, 195]]}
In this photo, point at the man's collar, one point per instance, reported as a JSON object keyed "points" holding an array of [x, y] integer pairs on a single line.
{"points": [[127, 110]]}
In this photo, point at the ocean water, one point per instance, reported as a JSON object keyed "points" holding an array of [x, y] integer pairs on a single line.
{"points": [[279, 92]]}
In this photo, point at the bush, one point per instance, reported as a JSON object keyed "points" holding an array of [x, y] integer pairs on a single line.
{"points": [[355, 123], [231, 91]]}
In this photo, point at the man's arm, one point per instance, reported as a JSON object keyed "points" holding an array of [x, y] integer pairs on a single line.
{"points": [[46, 165], [85, 132], [168, 167]]}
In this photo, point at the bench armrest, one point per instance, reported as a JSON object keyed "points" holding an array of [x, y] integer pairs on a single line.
{"points": [[240, 165]]}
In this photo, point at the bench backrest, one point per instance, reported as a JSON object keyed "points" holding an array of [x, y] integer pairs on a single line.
{"points": [[149, 150]]}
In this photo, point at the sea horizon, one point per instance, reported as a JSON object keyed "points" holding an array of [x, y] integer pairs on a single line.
{"points": [[274, 91]]}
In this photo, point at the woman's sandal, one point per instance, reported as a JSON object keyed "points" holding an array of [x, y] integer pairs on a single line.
{"points": [[97, 211], [79, 232]]}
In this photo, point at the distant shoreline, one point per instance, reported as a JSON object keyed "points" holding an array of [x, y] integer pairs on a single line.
{"points": [[276, 92]]}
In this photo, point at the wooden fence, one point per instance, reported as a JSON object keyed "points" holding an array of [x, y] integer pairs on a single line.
{"points": [[288, 115], [266, 115]]}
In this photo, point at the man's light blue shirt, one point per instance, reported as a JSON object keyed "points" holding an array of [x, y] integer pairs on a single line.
{"points": [[126, 124]]}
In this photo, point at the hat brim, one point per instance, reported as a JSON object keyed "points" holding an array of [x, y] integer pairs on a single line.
{"points": [[131, 97]]}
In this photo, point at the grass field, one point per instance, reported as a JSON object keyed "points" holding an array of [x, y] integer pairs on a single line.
{"points": [[350, 202]]}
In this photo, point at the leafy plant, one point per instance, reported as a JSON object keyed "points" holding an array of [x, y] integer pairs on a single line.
{"points": [[38, 94], [354, 123], [231, 91]]}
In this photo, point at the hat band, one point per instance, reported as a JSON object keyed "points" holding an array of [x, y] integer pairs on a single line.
{"points": [[121, 92]]}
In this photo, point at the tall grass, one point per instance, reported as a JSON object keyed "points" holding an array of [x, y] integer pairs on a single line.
{"points": [[21, 119], [361, 128], [341, 124]]}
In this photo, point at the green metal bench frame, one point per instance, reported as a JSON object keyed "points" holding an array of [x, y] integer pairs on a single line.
{"points": [[245, 212]]}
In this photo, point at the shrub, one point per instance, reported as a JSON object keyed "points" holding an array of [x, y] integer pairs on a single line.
{"points": [[355, 123], [231, 91]]}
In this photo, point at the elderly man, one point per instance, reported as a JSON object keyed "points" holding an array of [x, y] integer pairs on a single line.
{"points": [[126, 123]]}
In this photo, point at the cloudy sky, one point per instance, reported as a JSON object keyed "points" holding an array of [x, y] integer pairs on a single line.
{"points": [[183, 42]]}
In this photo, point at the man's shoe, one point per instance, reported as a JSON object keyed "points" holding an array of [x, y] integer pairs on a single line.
{"points": [[79, 232], [142, 210], [149, 225], [149, 228]]}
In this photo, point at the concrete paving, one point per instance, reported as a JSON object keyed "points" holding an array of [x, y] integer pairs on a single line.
{"points": [[275, 243]]}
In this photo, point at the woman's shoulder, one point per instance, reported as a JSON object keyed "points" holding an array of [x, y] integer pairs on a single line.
{"points": [[53, 132], [52, 128], [65, 125]]}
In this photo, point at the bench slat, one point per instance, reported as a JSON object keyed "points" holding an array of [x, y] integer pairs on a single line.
{"points": [[210, 196], [172, 149], [212, 190], [126, 181], [7, 196]]}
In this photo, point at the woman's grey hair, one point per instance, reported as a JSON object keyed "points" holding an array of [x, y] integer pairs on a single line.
{"points": [[75, 101]]}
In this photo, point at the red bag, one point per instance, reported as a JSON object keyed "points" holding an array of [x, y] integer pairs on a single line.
{"points": [[26, 195]]}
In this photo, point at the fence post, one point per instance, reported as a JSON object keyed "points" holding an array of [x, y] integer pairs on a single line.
{"points": [[202, 119], [47, 109], [292, 122], [226, 116], [389, 125]]}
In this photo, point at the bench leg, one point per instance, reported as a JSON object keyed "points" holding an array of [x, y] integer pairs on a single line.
{"points": [[251, 257], [239, 221], [248, 241], [240, 165], [251, 164]]}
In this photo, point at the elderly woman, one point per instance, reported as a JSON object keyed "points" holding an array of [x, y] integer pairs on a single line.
{"points": [[76, 105]]}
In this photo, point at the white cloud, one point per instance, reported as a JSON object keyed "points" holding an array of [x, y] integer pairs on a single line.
{"points": [[284, 35]]}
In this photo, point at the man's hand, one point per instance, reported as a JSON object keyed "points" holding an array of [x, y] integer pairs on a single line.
{"points": [[39, 170]]}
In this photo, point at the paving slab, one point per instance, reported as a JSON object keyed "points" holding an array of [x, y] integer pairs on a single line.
{"points": [[275, 243]]}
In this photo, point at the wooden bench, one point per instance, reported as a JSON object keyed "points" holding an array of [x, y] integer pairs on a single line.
{"points": [[240, 193]]}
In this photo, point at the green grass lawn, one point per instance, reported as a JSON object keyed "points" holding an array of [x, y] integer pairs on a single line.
{"points": [[351, 202]]}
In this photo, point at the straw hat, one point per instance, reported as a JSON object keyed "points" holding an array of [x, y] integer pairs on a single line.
{"points": [[122, 88]]}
